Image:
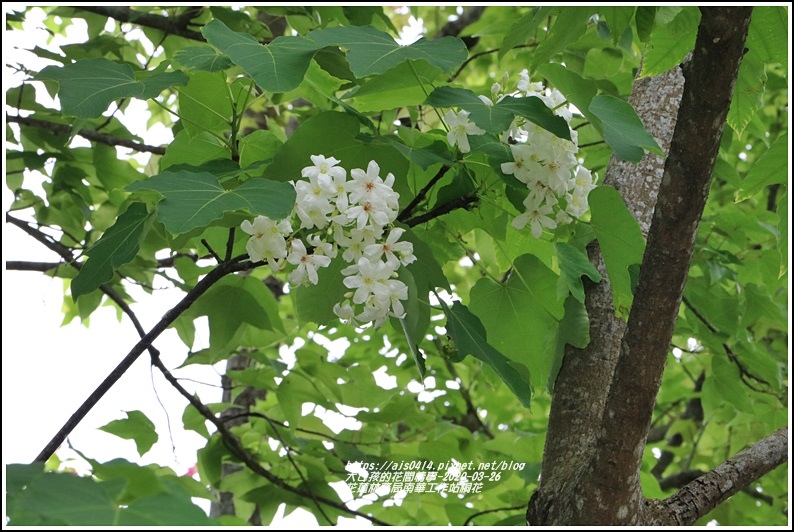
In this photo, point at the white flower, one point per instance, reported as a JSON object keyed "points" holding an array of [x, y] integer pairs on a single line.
{"points": [[520, 167], [459, 127], [486, 100], [536, 216], [344, 311], [312, 204], [583, 181], [398, 292], [306, 264], [321, 247], [529, 89], [577, 204], [267, 238], [390, 248], [369, 212], [325, 172], [368, 187], [369, 279]]}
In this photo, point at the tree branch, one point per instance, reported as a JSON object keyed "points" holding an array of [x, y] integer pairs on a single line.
{"points": [[455, 27], [708, 491], [236, 448], [471, 419], [462, 202], [45, 239], [34, 266], [28, 266], [409, 209], [89, 134], [710, 78], [744, 373], [168, 25], [582, 383], [145, 343]]}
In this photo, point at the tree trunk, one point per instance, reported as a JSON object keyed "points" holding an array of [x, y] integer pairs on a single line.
{"points": [[604, 394]]}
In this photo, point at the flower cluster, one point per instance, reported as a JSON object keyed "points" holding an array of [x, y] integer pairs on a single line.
{"points": [[557, 184], [335, 213]]}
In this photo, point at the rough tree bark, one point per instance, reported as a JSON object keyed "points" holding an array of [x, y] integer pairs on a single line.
{"points": [[604, 395]]}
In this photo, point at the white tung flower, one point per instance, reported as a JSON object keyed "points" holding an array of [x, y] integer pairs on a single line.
{"points": [[391, 248], [324, 171], [267, 238], [459, 127], [306, 264]]}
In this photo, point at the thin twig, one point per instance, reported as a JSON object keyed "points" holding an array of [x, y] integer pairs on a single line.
{"points": [[230, 244], [172, 26], [88, 134], [300, 473], [236, 448], [409, 209], [463, 202], [212, 251], [744, 373], [145, 343]]}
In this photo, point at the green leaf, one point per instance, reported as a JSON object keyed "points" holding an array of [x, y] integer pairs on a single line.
{"points": [[467, 332], [768, 34], [60, 499], [621, 241], [719, 307], [194, 420], [570, 24], [294, 390], [725, 383], [117, 246], [670, 42], [748, 94], [645, 18], [402, 86], [194, 199], [313, 138], [603, 63], [623, 129], [518, 314], [371, 51], [573, 265], [88, 86], [194, 150], [413, 344], [258, 146], [277, 67], [618, 18], [426, 270], [770, 168], [204, 104], [523, 28], [576, 89], [136, 427], [155, 82], [497, 118], [425, 156], [315, 303], [202, 58], [231, 302], [573, 329], [164, 509]]}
